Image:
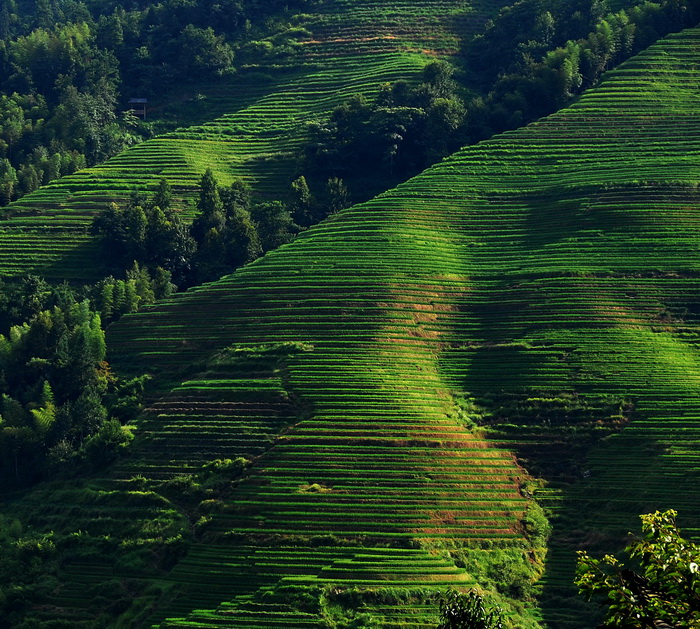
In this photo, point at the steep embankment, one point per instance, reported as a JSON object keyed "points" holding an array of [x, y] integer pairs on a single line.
{"points": [[545, 280], [352, 48]]}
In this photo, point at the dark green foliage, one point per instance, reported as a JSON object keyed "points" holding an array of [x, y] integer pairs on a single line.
{"points": [[114, 297], [211, 210], [468, 611], [274, 223], [201, 52], [302, 203], [23, 299], [662, 585], [336, 196], [228, 232], [54, 388], [125, 397], [163, 195], [146, 234], [242, 242], [403, 132], [224, 232], [445, 115]]}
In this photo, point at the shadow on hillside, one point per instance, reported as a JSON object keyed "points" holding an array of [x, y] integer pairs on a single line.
{"points": [[208, 101], [552, 389], [79, 263]]}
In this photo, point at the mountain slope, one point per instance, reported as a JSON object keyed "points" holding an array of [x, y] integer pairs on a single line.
{"points": [[545, 280]]}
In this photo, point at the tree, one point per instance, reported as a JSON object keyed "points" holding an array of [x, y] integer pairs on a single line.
{"points": [[444, 117], [302, 202], [241, 237], [211, 209], [336, 195], [437, 79], [136, 230], [145, 233], [162, 283], [180, 251], [274, 224], [8, 181], [545, 28], [202, 53], [468, 611], [163, 195], [665, 588]]}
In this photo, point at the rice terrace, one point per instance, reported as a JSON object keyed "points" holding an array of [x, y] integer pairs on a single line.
{"points": [[380, 314]]}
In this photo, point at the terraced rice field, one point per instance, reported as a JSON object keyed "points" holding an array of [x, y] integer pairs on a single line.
{"points": [[354, 47], [328, 479], [560, 260]]}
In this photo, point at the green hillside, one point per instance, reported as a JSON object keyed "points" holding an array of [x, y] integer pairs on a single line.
{"points": [[390, 405], [543, 283], [343, 49]]}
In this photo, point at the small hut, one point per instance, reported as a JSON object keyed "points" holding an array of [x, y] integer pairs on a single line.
{"points": [[138, 106]]}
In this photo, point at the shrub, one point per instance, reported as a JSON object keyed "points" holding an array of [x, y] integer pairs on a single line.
{"points": [[468, 611]]}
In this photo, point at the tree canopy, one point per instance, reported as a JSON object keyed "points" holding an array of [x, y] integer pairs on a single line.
{"points": [[659, 584]]}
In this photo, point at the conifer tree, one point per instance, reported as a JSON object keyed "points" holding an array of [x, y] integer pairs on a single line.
{"points": [[210, 207], [163, 195], [336, 194], [106, 299], [302, 202]]}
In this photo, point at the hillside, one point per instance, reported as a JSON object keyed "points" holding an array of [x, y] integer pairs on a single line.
{"points": [[542, 282], [344, 48], [388, 406]]}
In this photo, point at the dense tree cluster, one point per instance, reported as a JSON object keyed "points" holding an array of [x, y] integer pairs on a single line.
{"points": [[26, 297], [114, 297], [403, 131], [148, 231], [68, 68], [229, 230], [223, 231], [55, 390]]}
